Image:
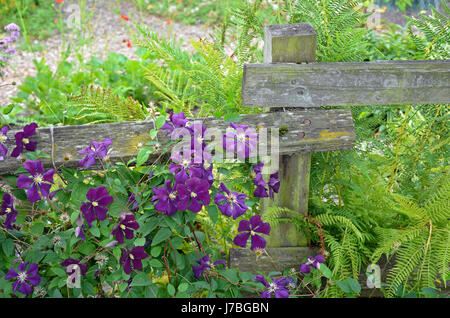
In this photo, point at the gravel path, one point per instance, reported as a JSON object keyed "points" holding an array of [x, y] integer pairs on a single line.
{"points": [[108, 32]]}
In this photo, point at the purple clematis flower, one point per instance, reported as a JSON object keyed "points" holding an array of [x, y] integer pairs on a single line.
{"points": [[132, 202], [168, 198], [203, 171], [230, 203], [22, 140], [278, 287], [93, 151], [197, 191], [25, 278], [133, 256], [96, 208], [8, 209], [180, 171], [243, 140], [3, 139], [77, 264], [40, 180], [305, 267], [249, 229], [205, 265], [273, 185], [125, 227], [79, 230], [175, 121]]}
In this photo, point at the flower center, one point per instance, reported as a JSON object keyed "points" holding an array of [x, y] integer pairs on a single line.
{"points": [[173, 195], [26, 140], [8, 210], [241, 137], [2, 138], [22, 277], [185, 163], [123, 227], [131, 256], [232, 198], [252, 233], [38, 179], [95, 203], [193, 194], [272, 287]]}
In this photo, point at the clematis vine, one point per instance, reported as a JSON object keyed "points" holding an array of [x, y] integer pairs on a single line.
{"points": [[249, 230], [196, 191], [23, 140], [25, 279], [94, 150], [96, 208], [125, 228], [132, 259], [40, 181], [3, 140], [230, 203], [205, 265], [278, 287], [7, 209], [315, 262]]}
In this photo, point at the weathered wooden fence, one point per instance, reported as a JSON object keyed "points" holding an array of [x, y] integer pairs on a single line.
{"points": [[288, 78]]}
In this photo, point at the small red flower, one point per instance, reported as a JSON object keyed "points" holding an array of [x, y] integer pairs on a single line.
{"points": [[128, 43], [56, 21], [60, 1], [168, 21], [124, 17]]}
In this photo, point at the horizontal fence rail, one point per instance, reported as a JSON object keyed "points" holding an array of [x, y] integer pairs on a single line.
{"points": [[305, 130], [346, 84]]}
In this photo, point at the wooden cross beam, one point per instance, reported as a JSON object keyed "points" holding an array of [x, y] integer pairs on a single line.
{"points": [[282, 82]]}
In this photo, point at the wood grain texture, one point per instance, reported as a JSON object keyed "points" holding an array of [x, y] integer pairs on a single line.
{"points": [[305, 130], [350, 84], [290, 43]]}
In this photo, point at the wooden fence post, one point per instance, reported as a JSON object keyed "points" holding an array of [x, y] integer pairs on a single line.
{"points": [[290, 44]]}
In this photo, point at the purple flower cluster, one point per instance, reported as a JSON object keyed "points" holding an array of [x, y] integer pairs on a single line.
{"points": [[273, 186], [205, 265], [5, 49], [96, 208], [3, 140]]}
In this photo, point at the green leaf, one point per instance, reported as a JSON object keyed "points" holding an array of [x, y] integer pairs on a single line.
{"points": [[155, 263], [159, 122], [354, 285], [213, 212], [156, 251], [37, 229], [161, 236], [430, 292], [141, 279], [8, 109], [171, 289], [140, 241], [8, 247], [95, 231], [143, 156], [59, 271], [344, 286], [325, 271], [230, 274], [153, 133], [183, 287]]}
